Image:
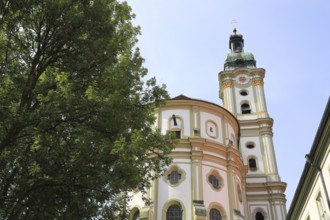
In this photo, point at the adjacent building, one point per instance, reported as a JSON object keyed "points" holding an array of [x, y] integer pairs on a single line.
{"points": [[311, 199], [224, 166]]}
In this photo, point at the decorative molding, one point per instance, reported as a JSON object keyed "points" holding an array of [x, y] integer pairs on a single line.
{"points": [[238, 213], [169, 171], [217, 175], [227, 85], [258, 83], [200, 202], [199, 207], [211, 129], [239, 193], [259, 72]]}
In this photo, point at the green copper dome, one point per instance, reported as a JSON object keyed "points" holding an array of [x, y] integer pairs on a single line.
{"points": [[238, 58]]}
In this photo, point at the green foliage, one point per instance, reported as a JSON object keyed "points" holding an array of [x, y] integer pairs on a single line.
{"points": [[75, 112]]}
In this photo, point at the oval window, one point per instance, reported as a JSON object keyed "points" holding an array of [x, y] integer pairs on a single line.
{"points": [[250, 145], [243, 92]]}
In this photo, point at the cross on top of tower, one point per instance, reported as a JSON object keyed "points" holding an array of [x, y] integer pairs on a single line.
{"points": [[234, 22]]}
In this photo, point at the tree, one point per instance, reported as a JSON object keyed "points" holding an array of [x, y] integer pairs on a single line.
{"points": [[75, 110]]}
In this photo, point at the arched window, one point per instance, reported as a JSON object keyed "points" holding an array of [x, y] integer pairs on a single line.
{"points": [[320, 205], [245, 108], [215, 214], [174, 212], [259, 216], [252, 164], [236, 47], [176, 125], [177, 134], [136, 215]]}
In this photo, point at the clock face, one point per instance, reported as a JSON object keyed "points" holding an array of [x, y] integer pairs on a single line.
{"points": [[242, 79]]}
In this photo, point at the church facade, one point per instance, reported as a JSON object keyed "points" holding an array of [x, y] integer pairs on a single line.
{"points": [[224, 165]]}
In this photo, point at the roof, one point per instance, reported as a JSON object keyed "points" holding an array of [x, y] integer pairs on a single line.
{"points": [[183, 97]]}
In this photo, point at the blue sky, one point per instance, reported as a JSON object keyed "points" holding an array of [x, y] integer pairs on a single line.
{"points": [[185, 42]]}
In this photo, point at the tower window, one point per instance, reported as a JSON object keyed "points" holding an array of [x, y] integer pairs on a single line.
{"points": [[250, 145], [252, 164], [237, 47], [245, 108], [243, 93], [259, 216], [174, 177], [174, 212], [215, 214]]}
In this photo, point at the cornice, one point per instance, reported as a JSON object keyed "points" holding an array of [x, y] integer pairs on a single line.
{"points": [[258, 83], [235, 162], [274, 197], [278, 187], [201, 104], [257, 72], [191, 104], [200, 149], [264, 122], [263, 126]]}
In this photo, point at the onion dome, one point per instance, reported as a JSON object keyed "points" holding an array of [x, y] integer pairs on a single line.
{"points": [[238, 58]]}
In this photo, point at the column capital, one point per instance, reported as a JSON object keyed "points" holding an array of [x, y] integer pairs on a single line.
{"points": [[227, 84], [258, 83]]}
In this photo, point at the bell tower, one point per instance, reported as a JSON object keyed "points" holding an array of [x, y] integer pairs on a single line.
{"points": [[242, 93]]}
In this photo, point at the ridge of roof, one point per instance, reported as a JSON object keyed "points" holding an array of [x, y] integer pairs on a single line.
{"points": [[181, 97]]}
